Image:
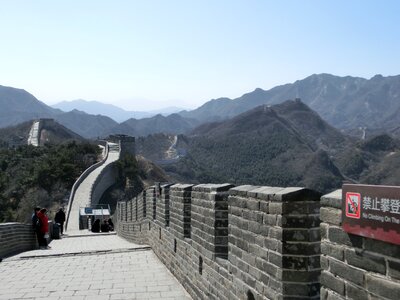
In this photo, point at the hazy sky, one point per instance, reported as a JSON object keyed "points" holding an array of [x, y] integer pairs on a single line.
{"points": [[144, 55]]}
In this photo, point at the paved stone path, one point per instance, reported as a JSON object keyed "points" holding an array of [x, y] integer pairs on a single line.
{"points": [[88, 267], [33, 138], [82, 194]]}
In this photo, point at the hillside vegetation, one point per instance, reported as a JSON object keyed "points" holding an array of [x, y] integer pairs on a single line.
{"points": [[282, 145], [40, 176]]}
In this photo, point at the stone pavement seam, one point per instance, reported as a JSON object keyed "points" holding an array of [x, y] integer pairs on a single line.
{"points": [[96, 252]]}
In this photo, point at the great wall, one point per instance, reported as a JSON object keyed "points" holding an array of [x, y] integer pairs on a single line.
{"points": [[222, 241]]}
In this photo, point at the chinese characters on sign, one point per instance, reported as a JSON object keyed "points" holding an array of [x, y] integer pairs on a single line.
{"points": [[372, 211]]}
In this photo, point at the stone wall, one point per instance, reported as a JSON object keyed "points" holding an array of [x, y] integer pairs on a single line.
{"points": [[107, 178], [355, 267], [16, 238], [225, 242], [81, 178], [126, 143]]}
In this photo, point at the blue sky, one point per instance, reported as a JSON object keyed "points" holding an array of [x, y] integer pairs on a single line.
{"points": [[144, 55]]}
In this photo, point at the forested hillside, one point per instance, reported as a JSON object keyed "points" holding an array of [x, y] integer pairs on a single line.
{"points": [[40, 176], [282, 145]]}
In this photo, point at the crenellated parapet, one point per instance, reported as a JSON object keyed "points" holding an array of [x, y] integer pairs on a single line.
{"points": [[226, 242], [354, 266]]}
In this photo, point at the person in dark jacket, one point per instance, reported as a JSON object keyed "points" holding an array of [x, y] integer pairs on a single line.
{"points": [[60, 219], [36, 223], [96, 226], [105, 227], [44, 228], [110, 224]]}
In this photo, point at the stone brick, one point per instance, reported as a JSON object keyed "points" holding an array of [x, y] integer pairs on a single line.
{"points": [[237, 202], [334, 296], [337, 235], [324, 230], [394, 268], [323, 293], [332, 282], [345, 271], [296, 194], [300, 262], [333, 199], [355, 292], [366, 261], [264, 206], [266, 193], [333, 250], [300, 221], [275, 208], [266, 267], [301, 235], [301, 290], [324, 262], [242, 190], [270, 243], [301, 248], [301, 208], [269, 219], [383, 287], [300, 276], [382, 247], [331, 215]]}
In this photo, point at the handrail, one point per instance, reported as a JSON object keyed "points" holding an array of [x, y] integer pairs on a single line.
{"points": [[80, 180]]}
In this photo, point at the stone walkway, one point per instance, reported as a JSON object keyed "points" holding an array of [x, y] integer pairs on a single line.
{"points": [[82, 196], [88, 267]]}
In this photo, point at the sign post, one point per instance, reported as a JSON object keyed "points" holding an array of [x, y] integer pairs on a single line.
{"points": [[372, 211]]}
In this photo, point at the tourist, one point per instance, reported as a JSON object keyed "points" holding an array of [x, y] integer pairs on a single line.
{"points": [[110, 225], [44, 229], [96, 226], [36, 223], [60, 219], [105, 227]]}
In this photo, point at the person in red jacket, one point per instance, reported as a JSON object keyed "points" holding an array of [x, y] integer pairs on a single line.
{"points": [[44, 228]]}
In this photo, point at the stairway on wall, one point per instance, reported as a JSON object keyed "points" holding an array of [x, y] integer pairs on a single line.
{"points": [[82, 197], [33, 138]]}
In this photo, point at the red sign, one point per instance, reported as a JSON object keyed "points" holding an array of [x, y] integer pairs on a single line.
{"points": [[372, 211], [353, 201]]}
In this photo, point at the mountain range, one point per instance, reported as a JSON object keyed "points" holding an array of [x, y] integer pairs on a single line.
{"points": [[17, 106], [348, 103], [286, 144], [344, 102], [114, 112]]}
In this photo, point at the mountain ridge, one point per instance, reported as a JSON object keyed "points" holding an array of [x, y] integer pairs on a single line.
{"points": [[114, 112], [345, 102]]}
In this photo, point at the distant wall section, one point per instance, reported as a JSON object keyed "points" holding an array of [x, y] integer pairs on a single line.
{"points": [[126, 143]]}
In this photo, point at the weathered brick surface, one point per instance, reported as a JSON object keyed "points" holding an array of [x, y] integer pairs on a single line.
{"points": [[226, 242], [15, 238], [261, 219], [18, 237], [180, 210], [355, 267], [209, 219], [163, 209]]}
